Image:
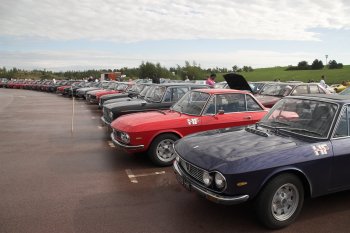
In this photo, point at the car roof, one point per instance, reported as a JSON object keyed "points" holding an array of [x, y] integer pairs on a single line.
{"points": [[222, 91], [344, 99]]}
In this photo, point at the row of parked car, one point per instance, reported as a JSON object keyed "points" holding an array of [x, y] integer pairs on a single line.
{"points": [[273, 144]]}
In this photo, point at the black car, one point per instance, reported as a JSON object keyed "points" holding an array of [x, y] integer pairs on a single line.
{"points": [[81, 92], [163, 96], [132, 92], [300, 148]]}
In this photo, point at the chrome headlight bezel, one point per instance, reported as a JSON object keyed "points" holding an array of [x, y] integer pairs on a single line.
{"points": [[207, 178], [125, 137], [110, 114], [220, 181]]}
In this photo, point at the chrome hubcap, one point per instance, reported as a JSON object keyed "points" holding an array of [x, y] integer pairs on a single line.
{"points": [[285, 202], [165, 151]]}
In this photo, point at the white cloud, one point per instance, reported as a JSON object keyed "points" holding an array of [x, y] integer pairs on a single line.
{"points": [[83, 60], [138, 20]]}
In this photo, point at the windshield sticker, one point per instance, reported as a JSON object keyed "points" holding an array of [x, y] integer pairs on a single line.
{"points": [[321, 149], [193, 121]]}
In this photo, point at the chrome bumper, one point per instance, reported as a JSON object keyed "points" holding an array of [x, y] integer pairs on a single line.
{"points": [[206, 193], [117, 143], [104, 122]]}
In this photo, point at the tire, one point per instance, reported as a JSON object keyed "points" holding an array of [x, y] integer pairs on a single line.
{"points": [[161, 150], [280, 201]]}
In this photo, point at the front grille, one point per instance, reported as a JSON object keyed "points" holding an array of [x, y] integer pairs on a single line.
{"points": [[117, 134], [92, 97], [192, 170]]}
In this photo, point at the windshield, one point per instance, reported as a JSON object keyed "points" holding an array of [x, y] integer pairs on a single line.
{"points": [[345, 91], [122, 86], [157, 94], [136, 88], [256, 87], [192, 103], [145, 90], [221, 85], [278, 89], [111, 86], [306, 117]]}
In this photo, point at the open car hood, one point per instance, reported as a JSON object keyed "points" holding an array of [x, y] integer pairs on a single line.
{"points": [[237, 82]]}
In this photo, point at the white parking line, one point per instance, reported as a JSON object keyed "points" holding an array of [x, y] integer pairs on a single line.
{"points": [[93, 118], [110, 143], [100, 127], [133, 177]]}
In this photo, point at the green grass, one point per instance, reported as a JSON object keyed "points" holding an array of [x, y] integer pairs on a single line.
{"points": [[269, 74]]}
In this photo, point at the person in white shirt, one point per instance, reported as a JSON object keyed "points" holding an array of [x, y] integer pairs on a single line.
{"points": [[323, 82]]}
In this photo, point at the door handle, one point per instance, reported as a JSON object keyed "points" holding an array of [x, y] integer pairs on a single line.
{"points": [[247, 117]]}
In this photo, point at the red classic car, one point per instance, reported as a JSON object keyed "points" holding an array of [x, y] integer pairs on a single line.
{"points": [[119, 87], [198, 110]]}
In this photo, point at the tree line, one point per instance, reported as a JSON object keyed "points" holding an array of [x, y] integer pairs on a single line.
{"points": [[192, 71], [316, 65]]}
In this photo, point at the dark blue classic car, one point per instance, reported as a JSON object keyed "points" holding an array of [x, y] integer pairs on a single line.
{"points": [[300, 148]]}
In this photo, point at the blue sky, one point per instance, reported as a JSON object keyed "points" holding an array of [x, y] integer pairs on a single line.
{"points": [[72, 35]]}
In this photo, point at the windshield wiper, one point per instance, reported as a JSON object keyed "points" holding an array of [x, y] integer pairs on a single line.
{"points": [[301, 130], [160, 111]]}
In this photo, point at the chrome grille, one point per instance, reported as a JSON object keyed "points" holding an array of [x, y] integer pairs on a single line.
{"points": [[117, 134], [193, 171]]}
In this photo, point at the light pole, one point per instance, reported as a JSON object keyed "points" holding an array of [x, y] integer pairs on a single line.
{"points": [[326, 59]]}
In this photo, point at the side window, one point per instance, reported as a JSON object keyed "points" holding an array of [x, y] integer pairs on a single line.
{"points": [[231, 103], [211, 107], [252, 105], [314, 89], [178, 93], [168, 94], [343, 125], [299, 90], [173, 94]]}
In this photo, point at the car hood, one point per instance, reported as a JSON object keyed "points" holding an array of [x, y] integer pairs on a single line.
{"points": [[237, 82], [93, 92], [127, 103], [235, 150], [141, 121], [88, 89]]}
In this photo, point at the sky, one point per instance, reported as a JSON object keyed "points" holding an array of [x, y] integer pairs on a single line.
{"points": [[62, 35]]}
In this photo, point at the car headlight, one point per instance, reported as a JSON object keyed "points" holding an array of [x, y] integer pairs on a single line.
{"points": [[110, 114], [207, 178], [220, 180], [125, 137]]}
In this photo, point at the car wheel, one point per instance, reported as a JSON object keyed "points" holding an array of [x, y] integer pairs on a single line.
{"points": [[280, 201], [161, 150]]}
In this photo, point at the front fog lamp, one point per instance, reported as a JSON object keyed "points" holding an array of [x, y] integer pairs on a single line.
{"points": [[110, 114], [207, 178], [125, 137], [220, 180]]}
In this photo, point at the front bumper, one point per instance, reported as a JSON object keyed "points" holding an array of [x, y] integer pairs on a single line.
{"points": [[214, 197], [128, 147], [104, 122]]}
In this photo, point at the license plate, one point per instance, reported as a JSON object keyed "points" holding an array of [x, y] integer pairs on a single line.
{"points": [[184, 182]]}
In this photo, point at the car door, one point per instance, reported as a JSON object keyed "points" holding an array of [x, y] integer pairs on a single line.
{"points": [[341, 147], [228, 110]]}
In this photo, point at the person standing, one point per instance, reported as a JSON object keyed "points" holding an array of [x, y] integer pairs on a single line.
{"points": [[211, 80], [323, 82]]}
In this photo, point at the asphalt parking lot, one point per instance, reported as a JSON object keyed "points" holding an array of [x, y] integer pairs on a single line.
{"points": [[56, 176]]}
